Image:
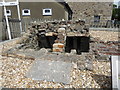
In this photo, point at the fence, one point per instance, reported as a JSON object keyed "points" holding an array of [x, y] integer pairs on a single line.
{"points": [[26, 22], [104, 24]]}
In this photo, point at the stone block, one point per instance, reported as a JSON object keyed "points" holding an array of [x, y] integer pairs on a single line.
{"points": [[81, 65], [61, 41], [49, 34], [89, 65], [102, 57], [61, 36], [63, 26], [71, 34], [73, 51], [56, 41], [62, 30]]}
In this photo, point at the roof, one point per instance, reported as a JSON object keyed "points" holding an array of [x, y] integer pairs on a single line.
{"points": [[66, 6]]}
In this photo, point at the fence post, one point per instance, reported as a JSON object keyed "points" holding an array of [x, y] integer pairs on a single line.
{"points": [[0, 24], [18, 9]]}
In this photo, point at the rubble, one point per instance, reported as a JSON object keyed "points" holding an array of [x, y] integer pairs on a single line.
{"points": [[57, 29]]}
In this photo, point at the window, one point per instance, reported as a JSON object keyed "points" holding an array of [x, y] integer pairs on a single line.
{"points": [[26, 12], [8, 12], [96, 18], [47, 12]]}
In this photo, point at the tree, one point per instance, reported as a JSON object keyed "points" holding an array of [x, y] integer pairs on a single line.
{"points": [[115, 13], [114, 6]]}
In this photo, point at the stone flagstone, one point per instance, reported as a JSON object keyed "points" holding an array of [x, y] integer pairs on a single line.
{"points": [[56, 71]]}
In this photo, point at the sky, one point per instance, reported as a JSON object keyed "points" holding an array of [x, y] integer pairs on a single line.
{"points": [[116, 2]]}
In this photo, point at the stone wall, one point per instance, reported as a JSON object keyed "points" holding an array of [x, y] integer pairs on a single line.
{"points": [[99, 41], [42, 34], [101, 45], [87, 10]]}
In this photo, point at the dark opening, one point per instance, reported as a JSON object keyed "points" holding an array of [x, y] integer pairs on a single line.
{"points": [[47, 11], [80, 43], [26, 11], [7, 11], [46, 41], [96, 18]]}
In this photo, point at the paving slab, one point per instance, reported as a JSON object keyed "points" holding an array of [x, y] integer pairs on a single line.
{"points": [[56, 71]]}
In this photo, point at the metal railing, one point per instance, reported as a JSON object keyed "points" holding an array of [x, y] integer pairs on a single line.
{"points": [[105, 24]]}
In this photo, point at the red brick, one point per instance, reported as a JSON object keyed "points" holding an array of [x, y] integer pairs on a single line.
{"points": [[58, 45], [57, 50], [61, 46]]}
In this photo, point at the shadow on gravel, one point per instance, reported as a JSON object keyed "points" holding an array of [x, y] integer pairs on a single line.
{"points": [[102, 80]]}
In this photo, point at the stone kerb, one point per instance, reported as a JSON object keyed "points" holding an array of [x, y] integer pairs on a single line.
{"points": [[5, 45]]}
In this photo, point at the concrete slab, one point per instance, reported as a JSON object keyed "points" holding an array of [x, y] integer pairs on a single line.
{"points": [[56, 71], [119, 72], [116, 72]]}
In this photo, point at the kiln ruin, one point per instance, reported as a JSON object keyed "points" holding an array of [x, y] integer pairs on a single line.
{"points": [[59, 36], [56, 48]]}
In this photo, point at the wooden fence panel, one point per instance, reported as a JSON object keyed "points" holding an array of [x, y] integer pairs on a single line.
{"points": [[26, 22]]}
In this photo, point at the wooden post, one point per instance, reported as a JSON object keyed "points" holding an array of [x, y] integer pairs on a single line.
{"points": [[0, 24], [18, 9], [4, 4]]}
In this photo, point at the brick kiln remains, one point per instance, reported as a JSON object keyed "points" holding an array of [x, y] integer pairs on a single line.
{"points": [[55, 41], [43, 40], [59, 36]]}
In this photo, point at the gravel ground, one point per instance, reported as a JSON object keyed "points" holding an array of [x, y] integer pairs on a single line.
{"points": [[105, 35], [14, 69]]}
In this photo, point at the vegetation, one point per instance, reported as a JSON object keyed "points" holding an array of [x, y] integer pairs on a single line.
{"points": [[116, 13]]}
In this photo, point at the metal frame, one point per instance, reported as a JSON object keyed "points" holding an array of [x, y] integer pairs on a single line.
{"points": [[15, 3]]}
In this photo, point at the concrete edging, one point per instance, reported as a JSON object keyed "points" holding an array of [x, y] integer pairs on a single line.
{"points": [[9, 41], [7, 44]]}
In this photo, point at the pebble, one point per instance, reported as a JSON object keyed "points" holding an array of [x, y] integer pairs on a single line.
{"points": [[14, 76], [105, 35], [14, 70]]}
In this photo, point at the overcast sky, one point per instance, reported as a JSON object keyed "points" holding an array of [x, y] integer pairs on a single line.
{"points": [[116, 1]]}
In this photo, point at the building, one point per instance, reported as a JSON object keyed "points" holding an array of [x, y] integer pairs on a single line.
{"points": [[88, 11], [94, 11], [119, 4], [35, 10], [41, 10]]}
